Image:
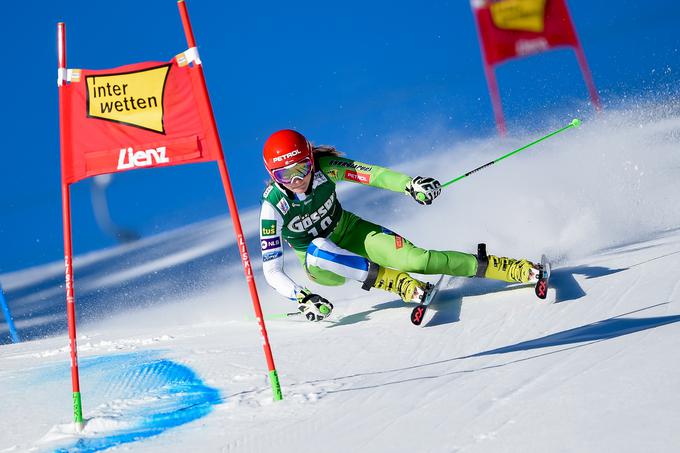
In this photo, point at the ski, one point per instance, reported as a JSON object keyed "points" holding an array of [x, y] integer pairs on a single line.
{"points": [[541, 288], [419, 312]]}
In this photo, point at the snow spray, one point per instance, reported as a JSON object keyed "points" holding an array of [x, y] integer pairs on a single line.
{"points": [[574, 123]]}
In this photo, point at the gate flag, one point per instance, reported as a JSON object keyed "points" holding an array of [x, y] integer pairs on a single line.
{"points": [[140, 115], [135, 116], [516, 28]]}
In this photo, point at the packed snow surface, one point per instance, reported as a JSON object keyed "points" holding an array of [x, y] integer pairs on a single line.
{"points": [[171, 358]]}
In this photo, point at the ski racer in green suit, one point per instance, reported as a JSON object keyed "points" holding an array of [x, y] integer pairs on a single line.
{"points": [[300, 206]]}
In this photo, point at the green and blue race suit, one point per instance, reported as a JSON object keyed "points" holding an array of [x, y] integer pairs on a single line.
{"points": [[299, 218]]}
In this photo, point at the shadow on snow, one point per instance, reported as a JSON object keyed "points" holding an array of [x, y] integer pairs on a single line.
{"points": [[578, 337], [597, 331]]}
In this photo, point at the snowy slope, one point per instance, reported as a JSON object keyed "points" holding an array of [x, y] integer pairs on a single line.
{"points": [[171, 361]]}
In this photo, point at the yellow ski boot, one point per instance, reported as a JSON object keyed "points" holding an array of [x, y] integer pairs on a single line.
{"points": [[505, 269], [511, 270], [399, 282]]}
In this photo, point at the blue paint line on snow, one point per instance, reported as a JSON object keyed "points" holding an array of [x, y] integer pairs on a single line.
{"points": [[146, 393]]}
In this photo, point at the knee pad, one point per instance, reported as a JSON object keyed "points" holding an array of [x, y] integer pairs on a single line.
{"points": [[326, 255]]}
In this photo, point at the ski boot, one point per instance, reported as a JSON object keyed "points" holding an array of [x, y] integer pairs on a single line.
{"points": [[399, 282], [505, 269]]}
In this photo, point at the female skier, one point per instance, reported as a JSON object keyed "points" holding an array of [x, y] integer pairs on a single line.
{"points": [[300, 205]]}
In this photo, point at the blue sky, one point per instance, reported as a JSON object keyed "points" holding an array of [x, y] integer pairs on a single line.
{"points": [[365, 76]]}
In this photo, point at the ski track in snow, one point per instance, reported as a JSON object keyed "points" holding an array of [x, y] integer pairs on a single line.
{"points": [[171, 360]]}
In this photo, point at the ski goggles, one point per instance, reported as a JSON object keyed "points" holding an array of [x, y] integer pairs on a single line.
{"points": [[287, 174]]}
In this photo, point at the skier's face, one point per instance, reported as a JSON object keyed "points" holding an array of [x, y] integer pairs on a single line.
{"points": [[299, 185]]}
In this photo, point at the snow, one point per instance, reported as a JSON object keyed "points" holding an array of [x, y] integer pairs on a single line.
{"points": [[171, 359]]}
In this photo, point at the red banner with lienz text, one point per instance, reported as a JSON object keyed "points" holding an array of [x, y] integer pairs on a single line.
{"points": [[135, 116], [515, 28], [141, 115]]}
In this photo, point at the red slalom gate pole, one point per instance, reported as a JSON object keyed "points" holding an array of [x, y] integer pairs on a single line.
{"points": [[65, 142], [495, 95], [233, 209], [588, 77], [492, 85], [585, 69]]}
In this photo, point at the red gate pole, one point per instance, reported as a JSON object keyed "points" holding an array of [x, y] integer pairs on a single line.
{"points": [[588, 77], [492, 84], [583, 65], [233, 209], [65, 143]]}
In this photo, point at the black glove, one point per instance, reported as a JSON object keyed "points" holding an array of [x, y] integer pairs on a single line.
{"points": [[424, 189], [314, 307]]}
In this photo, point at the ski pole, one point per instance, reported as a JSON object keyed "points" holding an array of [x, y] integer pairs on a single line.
{"points": [[574, 123], [282, 315], [276, 316]]}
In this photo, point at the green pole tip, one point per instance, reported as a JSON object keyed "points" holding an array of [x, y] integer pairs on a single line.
{"points": [[421, 196], [575, 122]]}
